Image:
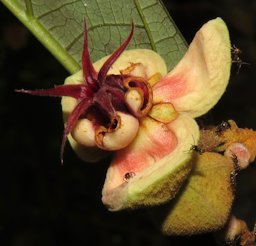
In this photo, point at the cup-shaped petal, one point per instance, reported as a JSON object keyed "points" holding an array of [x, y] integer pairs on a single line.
{"points": [[149, 63], [84, 133], [159, 160], [198, 81], [118, 138]]}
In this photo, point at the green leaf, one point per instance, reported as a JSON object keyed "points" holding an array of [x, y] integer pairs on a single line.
{"points": [[59, 26]]}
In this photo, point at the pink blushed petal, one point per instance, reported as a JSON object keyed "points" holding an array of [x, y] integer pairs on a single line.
{"points": [[159, 160], [198, 81], [172, 87], [72, 119], [106, 66], [153, 142]]}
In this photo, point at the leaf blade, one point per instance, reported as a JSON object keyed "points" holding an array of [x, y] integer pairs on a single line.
{"points": [[42, 35], [59, 26]]}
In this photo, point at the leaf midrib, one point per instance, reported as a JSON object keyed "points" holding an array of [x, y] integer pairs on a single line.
{"points": [[42, 34], [143, 19]]}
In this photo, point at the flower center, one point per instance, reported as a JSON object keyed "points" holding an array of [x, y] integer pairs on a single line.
{"points": [[108, 108], [119, 93], [111, 120]]}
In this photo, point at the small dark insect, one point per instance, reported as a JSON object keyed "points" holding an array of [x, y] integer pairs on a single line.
{"points": [[233, 175], [197, 149], [232, 242], [208, 140], [236, 52], [128, 176], [235, 162], [223, 126]]}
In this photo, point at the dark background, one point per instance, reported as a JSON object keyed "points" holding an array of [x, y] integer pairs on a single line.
{"points": [[44, 203]]}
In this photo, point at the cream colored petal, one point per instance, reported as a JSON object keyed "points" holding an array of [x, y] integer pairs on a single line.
{"points": [[198, 81], [84, 133], [122, 136], [149, 61]]}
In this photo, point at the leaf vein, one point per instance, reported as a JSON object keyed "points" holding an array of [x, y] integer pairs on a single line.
{"points": [[69, 46], [149, 6], [56, 9], [147, 28]]}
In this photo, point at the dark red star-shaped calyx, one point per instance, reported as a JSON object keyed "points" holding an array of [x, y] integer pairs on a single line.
{"points": [[101, 95]]}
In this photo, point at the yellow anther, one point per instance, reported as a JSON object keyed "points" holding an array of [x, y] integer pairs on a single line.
{"points": [[154, 79], [163, 112], [129, 69]]}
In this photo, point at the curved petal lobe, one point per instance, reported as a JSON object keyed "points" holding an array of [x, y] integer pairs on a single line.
{"points": [[159, 161], [198, 81]]}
